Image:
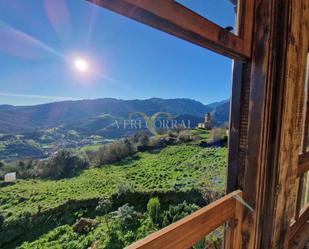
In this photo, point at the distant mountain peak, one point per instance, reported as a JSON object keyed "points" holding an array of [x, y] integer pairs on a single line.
{"points": [[21, 119]]}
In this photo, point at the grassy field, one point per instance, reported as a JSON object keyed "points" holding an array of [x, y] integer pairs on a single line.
{"points": [[175, 168], [92, 147]]}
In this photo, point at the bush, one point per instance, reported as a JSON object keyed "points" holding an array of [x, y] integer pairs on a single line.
{"points": [[184, 136], [141, 139], [179, 128], [127, 217], [124, 188], [146, 227], [104, 206], [216, 134], [63, 164], [112, 240], [114, 152], [177, 212], [153, 209], [24, 169], [1, 221]]}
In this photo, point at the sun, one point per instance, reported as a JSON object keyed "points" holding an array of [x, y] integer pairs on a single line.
{"points": [[81, 65]]}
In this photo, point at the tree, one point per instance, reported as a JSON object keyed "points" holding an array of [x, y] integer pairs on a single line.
{"points": [[112, 241], [26, 169], [143, 140], [208, 121], [127, 217], [153, 209], [63, 164], [1, 220], [105, 206], [2, 168], [124, 188], [114, 152], [177, 212], [217, 134], [147, 227]]}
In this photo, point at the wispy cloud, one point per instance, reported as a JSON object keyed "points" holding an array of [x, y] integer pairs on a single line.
{"points": [[33, 96], [15, 39]]}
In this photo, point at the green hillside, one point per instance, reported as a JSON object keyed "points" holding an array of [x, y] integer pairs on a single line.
{"points": [[34, 132], [175, 173]]}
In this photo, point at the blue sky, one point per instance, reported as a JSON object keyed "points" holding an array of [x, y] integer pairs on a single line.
{"points": [[41, 40]]}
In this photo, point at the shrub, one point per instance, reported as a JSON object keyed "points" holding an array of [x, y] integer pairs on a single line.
{"points": [[179, 128], [142, 140], [217, 134], [2, 169], [124, 188], [153, 209], [114, 152], [112, 240], [184, 136], [1, 221], [147, 227], [63, 164], [177, 212], [127, 217], [24, 169], [104, 206]]}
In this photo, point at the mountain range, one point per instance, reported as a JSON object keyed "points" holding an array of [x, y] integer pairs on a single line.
{"points": [[94, 116], [39, 131]]}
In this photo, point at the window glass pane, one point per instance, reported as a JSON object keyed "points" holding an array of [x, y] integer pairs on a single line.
{"points": [[109, 129], [221, 12], [305, 191], [305, 103], [296, 202]]}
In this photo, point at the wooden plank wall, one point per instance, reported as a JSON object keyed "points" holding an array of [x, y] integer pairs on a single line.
{"points": [[293, 77], [273, 134]]}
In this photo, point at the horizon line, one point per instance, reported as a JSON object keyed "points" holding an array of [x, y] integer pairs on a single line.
{"points": [[55, 99]]}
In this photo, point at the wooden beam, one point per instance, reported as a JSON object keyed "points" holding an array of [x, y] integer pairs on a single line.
{"points": [[303, 164], [234, 127], [301, 237], [298, 197], [296, 226], [246, 19], [173, 18], [189, 230], [305, 112]]}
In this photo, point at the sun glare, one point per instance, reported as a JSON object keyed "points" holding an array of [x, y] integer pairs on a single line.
{"points": [[81, 65]]}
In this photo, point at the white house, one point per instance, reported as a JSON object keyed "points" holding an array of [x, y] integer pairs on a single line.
{"points": [[10, 177]]}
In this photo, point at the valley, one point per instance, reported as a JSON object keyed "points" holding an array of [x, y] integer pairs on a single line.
{"points": [[105, 173], [40, 131], [114, 200]]}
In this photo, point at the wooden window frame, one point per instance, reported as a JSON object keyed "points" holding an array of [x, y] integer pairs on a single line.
{"points": [[304, 155], [301, 215], [266, 83], [173, 18]]}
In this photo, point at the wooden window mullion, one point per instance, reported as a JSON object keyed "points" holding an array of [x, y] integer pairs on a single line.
{"points": [[299, 196]]}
